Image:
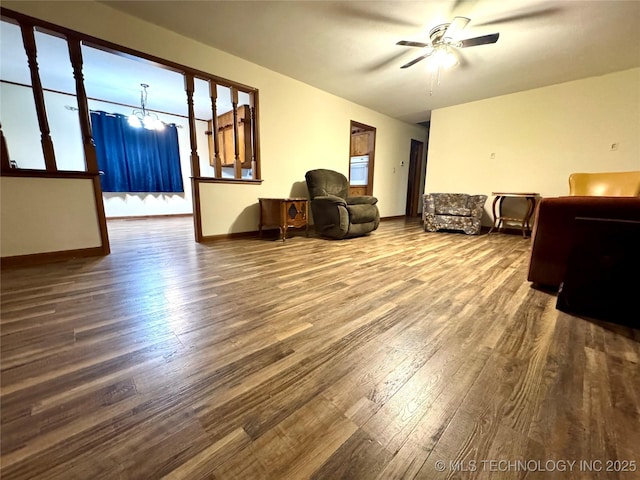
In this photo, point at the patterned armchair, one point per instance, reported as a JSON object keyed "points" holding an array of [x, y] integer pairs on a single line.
{"points": [[453, 211]]}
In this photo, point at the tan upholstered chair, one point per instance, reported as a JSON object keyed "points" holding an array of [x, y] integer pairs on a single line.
{"points": [[605, 184]]}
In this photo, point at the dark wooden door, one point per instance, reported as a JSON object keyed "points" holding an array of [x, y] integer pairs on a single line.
{"points": [[415, 174]]}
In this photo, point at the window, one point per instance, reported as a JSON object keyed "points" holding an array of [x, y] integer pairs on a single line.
{"points": [[135, 159]]}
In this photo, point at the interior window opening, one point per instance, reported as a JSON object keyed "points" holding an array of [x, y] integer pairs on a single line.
{"points": [[234, 127], [59, 90], [18, 116]]}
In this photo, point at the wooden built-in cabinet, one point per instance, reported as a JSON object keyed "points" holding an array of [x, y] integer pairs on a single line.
{"points": [[360, 144], [226, 144]]}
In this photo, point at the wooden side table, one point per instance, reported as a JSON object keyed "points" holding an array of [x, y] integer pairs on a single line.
{"points": [[499, 218], [284, 213]]}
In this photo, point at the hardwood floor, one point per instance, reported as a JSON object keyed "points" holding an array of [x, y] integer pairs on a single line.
{"points": [[370, 358]]}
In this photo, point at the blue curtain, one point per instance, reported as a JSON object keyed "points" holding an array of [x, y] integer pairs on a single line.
{"points": [[136, 159]]}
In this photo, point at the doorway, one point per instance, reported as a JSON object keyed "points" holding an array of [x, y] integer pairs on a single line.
{"points": [[362, 148], [415, 177]]}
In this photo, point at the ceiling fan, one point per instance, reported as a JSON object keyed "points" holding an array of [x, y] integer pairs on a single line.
{"points": [[442, 41]]}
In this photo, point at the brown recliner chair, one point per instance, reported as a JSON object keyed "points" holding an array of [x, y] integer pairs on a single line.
{"points": [[335, 213], [554, 227]]}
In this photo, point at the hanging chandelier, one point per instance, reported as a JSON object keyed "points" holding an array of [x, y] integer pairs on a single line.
{"points": [[143, 117]]}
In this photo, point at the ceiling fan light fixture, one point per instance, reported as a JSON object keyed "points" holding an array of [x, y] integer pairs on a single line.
{"points": [[440, 51], [449, 60], [443, 57]]}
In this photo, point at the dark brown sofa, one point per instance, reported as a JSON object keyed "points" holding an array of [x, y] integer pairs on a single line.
{"points": [[553, 231]]}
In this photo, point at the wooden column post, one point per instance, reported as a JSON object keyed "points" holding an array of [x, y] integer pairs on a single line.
{"points": [[189, 86], [29, 41], [237, 163], [254, 136], [213, 92], [75, 55]]}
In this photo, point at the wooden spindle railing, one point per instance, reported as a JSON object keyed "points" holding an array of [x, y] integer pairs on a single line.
{"points": [[237, 162], [29, 41], [193, 141], [217, 162], [75, 54]]}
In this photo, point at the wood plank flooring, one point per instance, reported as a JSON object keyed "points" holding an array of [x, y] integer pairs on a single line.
{"points": [[370, 358]]}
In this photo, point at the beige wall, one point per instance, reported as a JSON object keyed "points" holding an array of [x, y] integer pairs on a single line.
{"points": [[47, 215], [538, 137], [301, 127]]}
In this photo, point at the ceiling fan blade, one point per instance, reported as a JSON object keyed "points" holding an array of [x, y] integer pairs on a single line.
{"points": [[364, 14], [407, 43], [374, 67], [414, 61], [456, 26], [483, 40], [459, 5], [520, 15]]}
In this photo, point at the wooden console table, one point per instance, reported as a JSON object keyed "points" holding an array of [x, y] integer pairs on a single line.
{"points": [[499, 218], [284, 213]]}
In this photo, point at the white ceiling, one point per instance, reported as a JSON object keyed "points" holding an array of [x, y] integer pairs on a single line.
{"points": [[108, 77], [349, 47]]}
